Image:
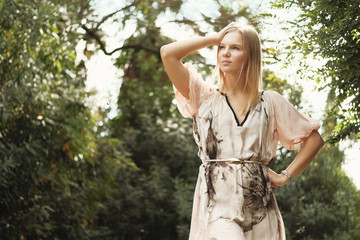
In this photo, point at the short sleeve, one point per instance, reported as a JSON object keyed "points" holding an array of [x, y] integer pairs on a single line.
{"points": [[291, 126], [199, 91]]}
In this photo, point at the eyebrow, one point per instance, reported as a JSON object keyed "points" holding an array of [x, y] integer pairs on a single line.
{"points": [[231, 45]]}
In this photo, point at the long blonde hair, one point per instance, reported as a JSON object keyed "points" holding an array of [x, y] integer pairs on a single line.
{"points": [[251, 66]]}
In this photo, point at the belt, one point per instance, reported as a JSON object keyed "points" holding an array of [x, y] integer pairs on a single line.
{"points": [[234, 161]]}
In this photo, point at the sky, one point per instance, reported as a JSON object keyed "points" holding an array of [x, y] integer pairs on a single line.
{"points": [[106, 79]]}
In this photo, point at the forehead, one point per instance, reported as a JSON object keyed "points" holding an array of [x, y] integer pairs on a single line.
{"points": [[234, 37]]}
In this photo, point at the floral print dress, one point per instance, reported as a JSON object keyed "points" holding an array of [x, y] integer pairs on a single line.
{"points": [[232, 200]]}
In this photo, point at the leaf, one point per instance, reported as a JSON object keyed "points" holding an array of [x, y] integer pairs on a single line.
{"points": [[58, 65]]}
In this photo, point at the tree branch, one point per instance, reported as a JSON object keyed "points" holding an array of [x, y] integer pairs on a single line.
{"points": [[137, 47], [112, 14], [91, 33], [191, 23]]}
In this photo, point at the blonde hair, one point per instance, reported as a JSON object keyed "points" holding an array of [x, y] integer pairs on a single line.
{"points": [[250, 70]]}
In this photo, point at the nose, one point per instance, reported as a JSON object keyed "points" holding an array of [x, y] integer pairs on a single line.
{"points": [[226, 52]]}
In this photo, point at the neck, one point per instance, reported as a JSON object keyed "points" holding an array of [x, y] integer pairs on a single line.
{"points": [[234, 86]]}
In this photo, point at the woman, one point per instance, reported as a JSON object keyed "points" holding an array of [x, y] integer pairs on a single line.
{"points": [[237, 128]]}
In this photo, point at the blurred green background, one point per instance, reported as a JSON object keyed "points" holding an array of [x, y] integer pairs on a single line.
{"points": [[69, 170]]}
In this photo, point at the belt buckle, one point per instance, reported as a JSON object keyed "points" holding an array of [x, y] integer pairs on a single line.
{"points": [[237, 161]]}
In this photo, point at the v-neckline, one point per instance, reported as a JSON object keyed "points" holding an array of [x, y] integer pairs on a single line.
{"points": [[232, 110]]}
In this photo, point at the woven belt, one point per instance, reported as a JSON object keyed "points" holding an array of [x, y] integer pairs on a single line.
{"points": [[234, 161]]}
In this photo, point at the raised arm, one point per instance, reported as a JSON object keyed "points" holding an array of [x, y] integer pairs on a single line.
{"points": [[171, 55]]}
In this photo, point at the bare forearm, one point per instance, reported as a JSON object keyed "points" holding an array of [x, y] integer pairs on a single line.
{"points": [[183, 48], [172, 53], [309, 150]]}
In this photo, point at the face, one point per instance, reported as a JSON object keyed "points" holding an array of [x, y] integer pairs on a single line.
{"points": [[231, 53]]}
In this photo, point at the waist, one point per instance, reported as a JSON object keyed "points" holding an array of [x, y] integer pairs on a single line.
{"points": [[234, 161]]}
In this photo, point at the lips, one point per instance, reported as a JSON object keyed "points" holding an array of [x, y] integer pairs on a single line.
{"points": [[225, 62]]}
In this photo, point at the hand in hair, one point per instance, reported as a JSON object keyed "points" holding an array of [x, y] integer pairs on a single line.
{"points": [[220, 34]]}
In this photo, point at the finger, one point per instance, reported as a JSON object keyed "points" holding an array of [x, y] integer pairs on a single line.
{"points": [[234, 24]]}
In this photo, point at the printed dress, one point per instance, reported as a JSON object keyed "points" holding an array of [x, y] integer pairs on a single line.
{"points": [[234, 200]]}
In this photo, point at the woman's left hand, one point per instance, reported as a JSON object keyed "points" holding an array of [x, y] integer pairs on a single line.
{"points": [[277, 180]]}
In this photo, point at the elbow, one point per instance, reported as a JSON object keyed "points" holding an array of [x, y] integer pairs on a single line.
{"points": [[163, 51], [315, 140], [167, 52], [320, 141]]}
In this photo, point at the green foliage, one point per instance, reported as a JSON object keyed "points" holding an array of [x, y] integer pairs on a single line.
{"points": [[322, 202], [51, 179], [291, 92], [331, 30], [160, 143], [159, 140], [68, 172]]}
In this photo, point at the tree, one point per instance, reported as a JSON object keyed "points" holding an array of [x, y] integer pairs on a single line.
{"points": [[322, 202], [70, 172], [155, 201], [330, 30], [52, 177]]}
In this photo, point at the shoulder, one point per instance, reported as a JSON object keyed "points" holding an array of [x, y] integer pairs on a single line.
{"points": [[275, 98], [272, 94]]}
